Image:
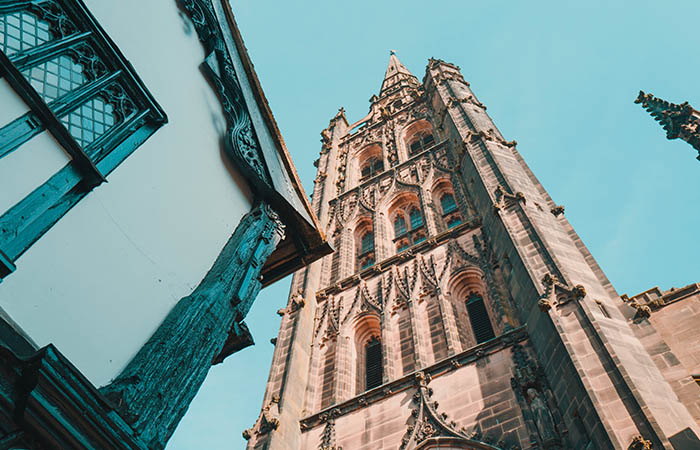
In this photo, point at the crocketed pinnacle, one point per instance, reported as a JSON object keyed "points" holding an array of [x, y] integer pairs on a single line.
{"points": [[679, 121]]}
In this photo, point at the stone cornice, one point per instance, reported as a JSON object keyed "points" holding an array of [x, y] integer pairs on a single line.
{"points": [[436, 370]]}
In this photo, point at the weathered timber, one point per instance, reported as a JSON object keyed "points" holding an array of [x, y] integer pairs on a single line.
{"points": [[157, 386]]}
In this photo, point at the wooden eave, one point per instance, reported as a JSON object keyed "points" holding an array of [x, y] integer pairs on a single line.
{"points": [[305, 242]]}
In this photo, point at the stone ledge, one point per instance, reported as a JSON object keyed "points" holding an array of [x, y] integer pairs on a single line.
{"points": [[438, 369]]}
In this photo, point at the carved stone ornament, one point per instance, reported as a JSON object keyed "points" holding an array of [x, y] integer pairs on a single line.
{"points": [[266, 423], [428, 424], [557, 293], [643, 311], [536, 401], [639, 443], [557, 210], [241, 142], [328, 441]]}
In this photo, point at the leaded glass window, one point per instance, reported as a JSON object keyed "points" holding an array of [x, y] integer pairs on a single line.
{"points": [[447, 201], [416, 219], [399, 226], [421, 143], [367, 242], [372, 168], [80, 88]]}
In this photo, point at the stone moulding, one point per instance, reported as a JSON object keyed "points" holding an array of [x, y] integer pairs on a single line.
{"points": [[379, 393], [387, 264]]}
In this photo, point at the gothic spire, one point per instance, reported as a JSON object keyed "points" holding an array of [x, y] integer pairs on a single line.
{"points": [[396, 72], [679, 121]]}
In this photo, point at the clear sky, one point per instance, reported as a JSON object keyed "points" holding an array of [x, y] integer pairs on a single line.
{"points": [[559, 77]]}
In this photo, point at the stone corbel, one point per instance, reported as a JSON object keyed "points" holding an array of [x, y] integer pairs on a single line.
{"points": [[557, 293], [503, 196], [266, 423], [639, 443], [557, 210]]}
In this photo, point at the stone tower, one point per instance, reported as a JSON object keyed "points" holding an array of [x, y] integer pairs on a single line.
{"points": [[460, 309]]}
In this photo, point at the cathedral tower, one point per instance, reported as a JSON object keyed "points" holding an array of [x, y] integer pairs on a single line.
{"points": [[460, 309]]}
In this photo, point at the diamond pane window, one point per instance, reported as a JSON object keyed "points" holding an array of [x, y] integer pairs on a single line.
{"points": [[21, 31], [90, 121], [55, 78]]}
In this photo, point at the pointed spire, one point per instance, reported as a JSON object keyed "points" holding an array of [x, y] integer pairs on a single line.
{"points": [[679, 121], [395, 73]]}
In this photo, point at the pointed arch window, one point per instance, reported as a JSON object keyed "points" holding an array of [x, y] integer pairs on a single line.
{"points": [[399, 226], [421, 143], [373, 363], [416, 219], [371, 168], [367, 244], [479, 319], [447, 201]]}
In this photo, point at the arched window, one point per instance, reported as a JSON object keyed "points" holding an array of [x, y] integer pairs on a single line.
{"points": [[373, 363], [372, 167], [447, 201], [416, 219], [367, 242], [479, 319], [399, 226], [364, 245], [421, 143]]}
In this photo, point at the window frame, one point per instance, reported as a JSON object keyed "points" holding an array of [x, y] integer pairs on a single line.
{"points": [[475, 299], [31, 217], [376, 343]]}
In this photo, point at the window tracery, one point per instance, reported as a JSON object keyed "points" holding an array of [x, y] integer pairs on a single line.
{"points": [[364, 238]]}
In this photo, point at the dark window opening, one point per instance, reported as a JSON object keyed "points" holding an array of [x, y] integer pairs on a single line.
{"points": [[416, 219], [371, 168], [421, 143], [373, 363], [479, 318]]}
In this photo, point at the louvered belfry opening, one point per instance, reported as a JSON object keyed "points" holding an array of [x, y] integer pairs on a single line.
{"points": [[479, 318], [373, 363]]}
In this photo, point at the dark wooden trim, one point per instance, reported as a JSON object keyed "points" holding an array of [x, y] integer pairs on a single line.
{"points": [[48, 118], [46, 51], [155, 389]]}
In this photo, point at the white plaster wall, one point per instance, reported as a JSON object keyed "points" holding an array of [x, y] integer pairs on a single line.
{"points": [[29, 166], [99, 282], [11, 105]]}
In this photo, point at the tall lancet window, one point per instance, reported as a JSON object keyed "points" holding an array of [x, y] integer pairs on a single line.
{"points": [[479, 318], [373, 363], [399, 226], [366, 256], [447, 201]]}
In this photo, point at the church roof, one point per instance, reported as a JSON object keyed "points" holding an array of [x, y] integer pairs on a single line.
{"points": [[395, 73]]}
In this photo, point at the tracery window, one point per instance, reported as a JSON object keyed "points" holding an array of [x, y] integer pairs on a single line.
{"points": [[399, 226], [373, 363], [403, 236], [479, 319], [421, 142], [447, 201], [80, 88], [364, 238], [371, 168]]}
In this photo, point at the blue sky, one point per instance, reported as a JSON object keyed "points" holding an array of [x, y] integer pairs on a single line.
{"points": [[559, 77]]}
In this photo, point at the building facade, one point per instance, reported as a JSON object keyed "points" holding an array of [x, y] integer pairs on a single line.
{"points": [[460, 309], [146, 196]]}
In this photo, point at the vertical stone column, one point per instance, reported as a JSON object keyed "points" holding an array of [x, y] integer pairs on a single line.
{"points": [[155, 389]]}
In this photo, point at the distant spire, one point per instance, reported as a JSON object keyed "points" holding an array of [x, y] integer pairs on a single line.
{"points": [[679, 121], [395, 73]]}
